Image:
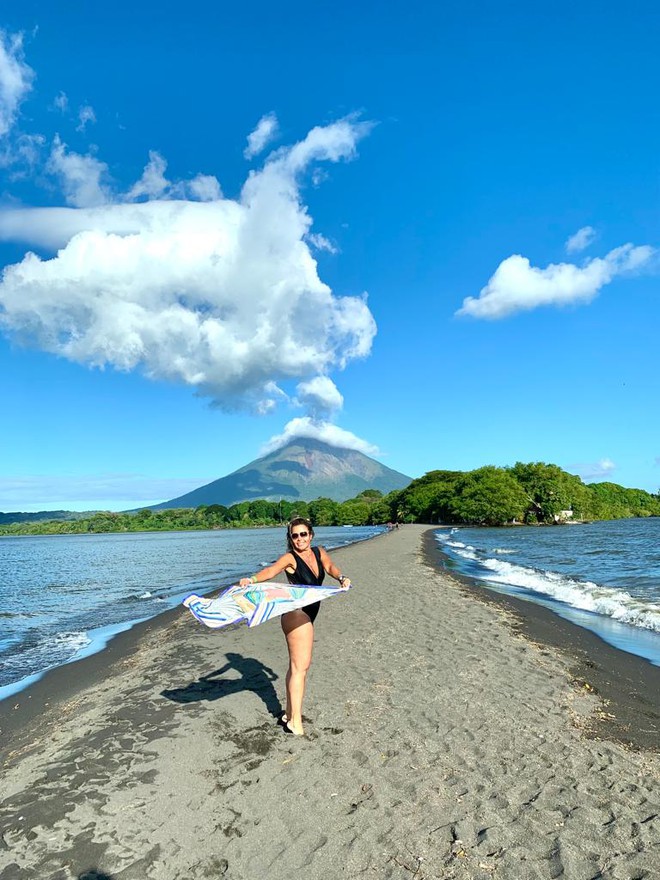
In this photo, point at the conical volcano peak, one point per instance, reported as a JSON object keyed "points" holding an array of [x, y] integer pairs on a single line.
{"points": [[301, 470]]}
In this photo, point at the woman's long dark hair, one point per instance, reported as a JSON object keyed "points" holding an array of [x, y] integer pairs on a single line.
{"points": [[298, 521]]}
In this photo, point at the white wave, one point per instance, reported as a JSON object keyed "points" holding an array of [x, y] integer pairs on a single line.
{"points": [[585, 595], [146, 595], [502, 551], [68, 638], [71, 641], [51, 651], [464, 550]]}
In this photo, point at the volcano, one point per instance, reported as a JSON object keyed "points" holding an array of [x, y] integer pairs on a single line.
{"points": [[302, 470]]}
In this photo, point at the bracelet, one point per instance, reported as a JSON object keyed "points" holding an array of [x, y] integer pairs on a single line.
{"points": [[253, 579], [341, 578]]}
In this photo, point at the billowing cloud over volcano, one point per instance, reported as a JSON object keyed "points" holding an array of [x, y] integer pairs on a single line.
{"points": [[189, 286]]}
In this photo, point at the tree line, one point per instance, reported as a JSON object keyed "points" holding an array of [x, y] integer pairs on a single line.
{"points": [[533, 493]]}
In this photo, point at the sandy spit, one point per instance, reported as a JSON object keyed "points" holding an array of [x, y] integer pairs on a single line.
{"points": [[442, 743]]}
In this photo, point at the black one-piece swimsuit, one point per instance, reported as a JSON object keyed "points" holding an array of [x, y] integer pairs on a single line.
{"points": [[305, 576]]}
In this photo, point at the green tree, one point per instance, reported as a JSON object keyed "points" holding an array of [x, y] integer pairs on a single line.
{"points": [[215, 513], [384, 511], [369, 495], [323, 512], [428, 498], [549, 489], [355, 512], [488, 496], [611, 501], [262, 511], [238, 512], [290, 509]]}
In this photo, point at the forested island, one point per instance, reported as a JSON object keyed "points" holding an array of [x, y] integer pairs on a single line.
{"points": [[530, 494]]}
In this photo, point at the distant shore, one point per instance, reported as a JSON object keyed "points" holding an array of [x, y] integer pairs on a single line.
{"points": [[66, 527], [451, 733]]}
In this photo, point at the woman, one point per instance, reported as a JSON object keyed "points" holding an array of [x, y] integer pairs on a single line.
{"points": [[303, 564]]}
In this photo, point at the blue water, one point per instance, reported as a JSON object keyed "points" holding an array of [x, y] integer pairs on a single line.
{"points": [[63, 597], [604, 576]]}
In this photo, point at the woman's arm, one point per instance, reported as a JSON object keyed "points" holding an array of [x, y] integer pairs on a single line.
{"points": [[333, 571], [271, 571]]}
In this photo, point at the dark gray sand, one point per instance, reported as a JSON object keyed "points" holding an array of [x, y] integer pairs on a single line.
{"points": [[443, 741]]}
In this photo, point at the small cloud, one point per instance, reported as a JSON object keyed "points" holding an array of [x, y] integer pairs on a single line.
{"points": [[85, 115], [82, 177], [319, 430], [26, 153], [15, 79], [61, 102], [319, 176], [205, 187], [321, 243], [518, 286], [581, 240], [267, 128], [153, 184], [593, 471], [320, 396]]}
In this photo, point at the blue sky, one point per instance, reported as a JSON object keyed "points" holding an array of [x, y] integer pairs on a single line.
{"points": [[428, 232]]}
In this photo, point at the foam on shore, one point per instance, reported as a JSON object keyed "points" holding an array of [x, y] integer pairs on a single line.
{"points": [[625, 621]]}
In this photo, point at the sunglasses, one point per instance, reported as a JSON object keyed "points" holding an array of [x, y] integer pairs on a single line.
{"points": [[295, 535]]}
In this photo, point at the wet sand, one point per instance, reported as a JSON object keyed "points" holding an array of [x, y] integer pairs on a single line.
{"points": [[450, 734]]}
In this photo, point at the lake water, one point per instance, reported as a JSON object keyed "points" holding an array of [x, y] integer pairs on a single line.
{"points": [[604, 576], [63, 597]]}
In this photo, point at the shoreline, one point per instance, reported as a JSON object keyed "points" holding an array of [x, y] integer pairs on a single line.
{"points": [[63, 682], [444, 740], [99, 642], [627, 620], [629, 685]]}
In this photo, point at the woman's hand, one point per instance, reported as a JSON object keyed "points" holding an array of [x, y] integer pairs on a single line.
{"points": [[245, 582], [344, 583]]}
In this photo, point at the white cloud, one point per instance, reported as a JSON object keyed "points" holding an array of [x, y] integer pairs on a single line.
{"points": [[82, 177], [320, 396], [321, 243], [223, 295], [15, 79], [330, 142], [61, 102], [205, 187], [85, 115], [319, 430], [90, 491], [267, 129], [53, 228], [153, 184], [517, 286], [597, 470], [581, 240], [24, 153]]}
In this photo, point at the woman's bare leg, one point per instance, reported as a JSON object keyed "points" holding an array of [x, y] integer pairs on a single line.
{"points": [[299, 632]]}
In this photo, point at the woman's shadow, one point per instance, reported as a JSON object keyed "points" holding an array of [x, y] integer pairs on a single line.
{"points": [[254, 676]]}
